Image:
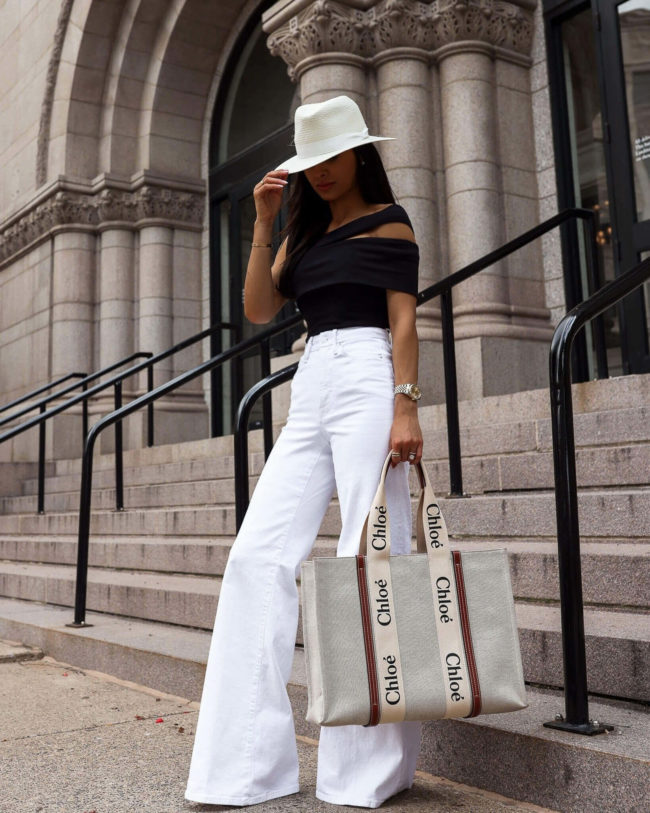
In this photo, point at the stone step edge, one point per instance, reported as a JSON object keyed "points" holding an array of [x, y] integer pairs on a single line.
{"points": [[541, 616], [172, 659], [30, 485], [256, 457], [534, 546], [483, 404], [519, 543], [161, 638], [529, 494]]}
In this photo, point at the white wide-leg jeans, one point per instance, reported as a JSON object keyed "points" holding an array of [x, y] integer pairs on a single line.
{"points": [[337, 434]]}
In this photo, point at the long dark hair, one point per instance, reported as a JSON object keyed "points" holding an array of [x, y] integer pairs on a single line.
{"points": [[309, 214]]}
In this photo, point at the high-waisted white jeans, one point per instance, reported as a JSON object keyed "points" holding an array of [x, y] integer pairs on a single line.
{"points": [[337, 434]]}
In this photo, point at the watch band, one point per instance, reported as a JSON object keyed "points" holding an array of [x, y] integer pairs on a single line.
{"points": [[412, 390]]}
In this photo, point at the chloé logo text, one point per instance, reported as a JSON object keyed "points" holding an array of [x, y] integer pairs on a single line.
{"points": [[379, 533], [434, 525]]}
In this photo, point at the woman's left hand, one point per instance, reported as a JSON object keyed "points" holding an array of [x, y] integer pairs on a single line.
{"points": [[406, 436]]}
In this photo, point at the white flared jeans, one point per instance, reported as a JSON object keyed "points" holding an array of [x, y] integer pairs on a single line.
{"points": [[337, 434]]}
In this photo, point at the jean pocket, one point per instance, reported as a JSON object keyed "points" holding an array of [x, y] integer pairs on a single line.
{"points": [[367, 350]]}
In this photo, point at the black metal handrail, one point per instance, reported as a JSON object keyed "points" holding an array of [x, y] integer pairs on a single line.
{"points": [[39, 390], [261, 339], [87, 378], [116, 382], [240, 439], [443, 289], [576, 718], [41, 405]]}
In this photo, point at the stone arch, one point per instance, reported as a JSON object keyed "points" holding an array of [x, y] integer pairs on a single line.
{"points": [[73, 134], [133, 87]]}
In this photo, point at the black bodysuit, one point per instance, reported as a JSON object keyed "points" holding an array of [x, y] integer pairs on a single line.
{"points": [[342, 282]]}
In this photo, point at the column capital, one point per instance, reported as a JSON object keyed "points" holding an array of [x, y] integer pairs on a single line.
{"points": [[99, 206], [300, 29]]}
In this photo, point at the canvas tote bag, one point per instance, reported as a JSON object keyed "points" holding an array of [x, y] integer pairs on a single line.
{"points": [[418, 636]]}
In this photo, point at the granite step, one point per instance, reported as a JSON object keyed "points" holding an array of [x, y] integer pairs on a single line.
{"points": [[159, 495], [519, 757], [614, 572], [149, 474], [190, 450], [606, 411], [624, 429], [621, 512], [618, 642], [485, 431], [173, 483]]}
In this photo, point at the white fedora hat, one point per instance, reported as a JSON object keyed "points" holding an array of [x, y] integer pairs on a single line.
{"points": [[324, 129]]}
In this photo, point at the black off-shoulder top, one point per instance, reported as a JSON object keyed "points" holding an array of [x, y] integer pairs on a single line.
{"points": [[341, 280]]}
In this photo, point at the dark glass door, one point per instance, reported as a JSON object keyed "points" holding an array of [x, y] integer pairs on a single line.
{"points": [[232, 221], [581, 175], [252, 131], [624, 55]]}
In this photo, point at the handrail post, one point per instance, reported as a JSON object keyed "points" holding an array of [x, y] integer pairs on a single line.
{"points": [[240, 443], [568, 536], [451, 395], [84, 534], [119, 481], [84, 413], [41, 463], [240, 436], [150, 406], [267, 413]]}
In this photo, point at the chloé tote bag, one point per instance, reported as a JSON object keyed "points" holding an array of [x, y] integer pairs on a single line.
{"points": [[416, 636]]}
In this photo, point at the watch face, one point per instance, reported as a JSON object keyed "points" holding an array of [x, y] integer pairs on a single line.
{"points": [[415, 391]]}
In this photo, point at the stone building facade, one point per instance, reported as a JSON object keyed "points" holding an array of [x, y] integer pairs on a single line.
{"points": [[118, 117]]}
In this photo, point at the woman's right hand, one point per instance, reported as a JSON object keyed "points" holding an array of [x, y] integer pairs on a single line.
{"points": [[268, 194]]}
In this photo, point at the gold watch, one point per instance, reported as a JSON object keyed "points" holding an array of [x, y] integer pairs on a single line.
{"points": [[412, 390]]}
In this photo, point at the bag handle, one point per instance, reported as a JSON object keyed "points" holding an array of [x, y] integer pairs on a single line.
{"points": [[431, 529], [432, 538]]}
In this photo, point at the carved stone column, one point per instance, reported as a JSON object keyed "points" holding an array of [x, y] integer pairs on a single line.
{"points": [[116, 296], [404, 104], [88, 284], [502, 326], [73, 270], [155, 292]]}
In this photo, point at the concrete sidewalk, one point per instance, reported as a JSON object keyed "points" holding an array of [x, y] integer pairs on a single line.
{"points": [[79, 741]]}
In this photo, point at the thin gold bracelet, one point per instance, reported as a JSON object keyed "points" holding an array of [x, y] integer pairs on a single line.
{"points": [[262, 245]]}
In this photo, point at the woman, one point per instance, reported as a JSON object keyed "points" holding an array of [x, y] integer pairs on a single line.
{"points": [[350, 260]]}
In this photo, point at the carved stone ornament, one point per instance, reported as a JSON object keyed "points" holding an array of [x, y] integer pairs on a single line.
{"points": [[332, 25], [65, 207]]}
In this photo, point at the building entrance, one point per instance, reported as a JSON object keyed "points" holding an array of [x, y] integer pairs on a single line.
{"points": [[624, 56], [251, 134], [599, 73]]}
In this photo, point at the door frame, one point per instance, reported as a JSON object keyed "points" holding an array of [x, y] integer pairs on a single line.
{"points": [[627, 236], [631, 237], [234, 180], [555, 13]]}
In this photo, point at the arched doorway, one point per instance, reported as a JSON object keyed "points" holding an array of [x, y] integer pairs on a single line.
{"points": [[252, 127]]}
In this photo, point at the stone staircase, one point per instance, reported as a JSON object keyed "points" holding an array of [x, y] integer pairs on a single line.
{"points": [[156, 567]]}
